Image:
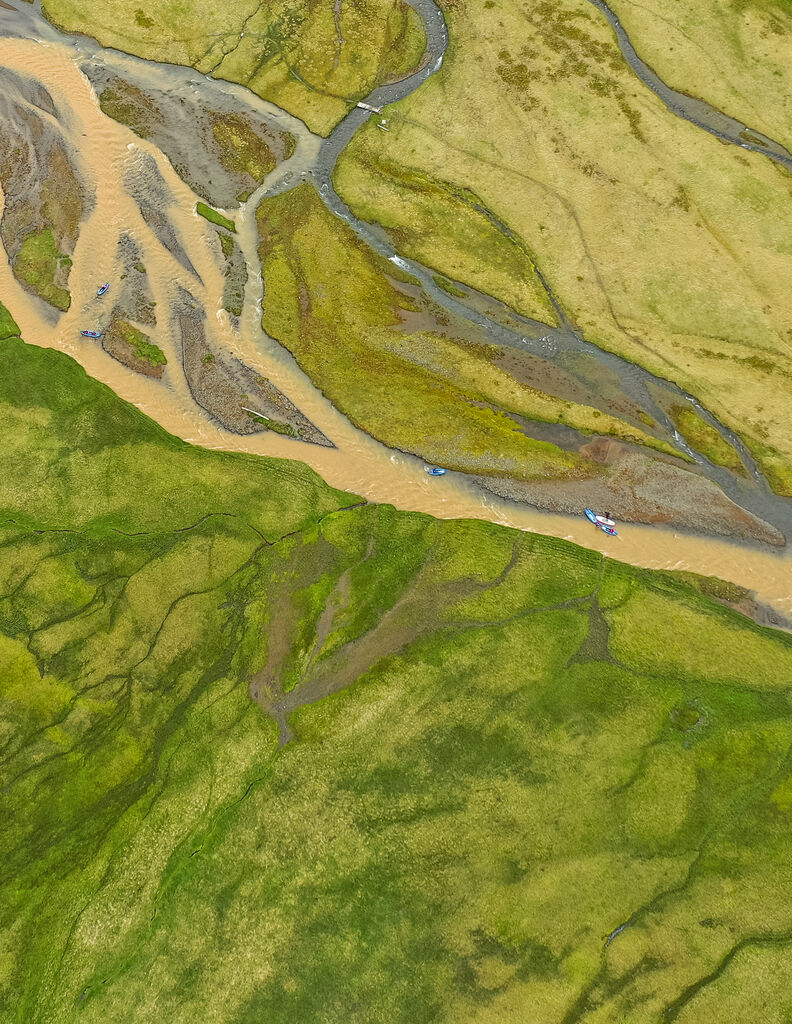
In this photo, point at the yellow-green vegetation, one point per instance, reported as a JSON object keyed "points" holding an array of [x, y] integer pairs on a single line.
{"points": [[705, 438], [243, 150], [735, 55], [396, 366], [8, 325], [40, 267], [140, 343], [125, 103], [116, 469], [659, 241], [443, 226], [214, 217], [314, 59], [538, 779], [775, 465]]}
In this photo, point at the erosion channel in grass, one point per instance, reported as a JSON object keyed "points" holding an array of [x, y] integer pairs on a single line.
{"points": [[271, 753]]}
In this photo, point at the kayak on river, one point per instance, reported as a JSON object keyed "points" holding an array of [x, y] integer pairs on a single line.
{"points": [[92, 334], [435, 470], [605, 523], [103, 288]]}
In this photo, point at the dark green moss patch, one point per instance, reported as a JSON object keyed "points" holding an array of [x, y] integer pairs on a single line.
{"points": [[41, 267], [8, 325], [214, 217], [448, 286]]}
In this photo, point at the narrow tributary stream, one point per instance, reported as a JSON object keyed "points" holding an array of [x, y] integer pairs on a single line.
{"points": [[106, 151], [692, 109]]}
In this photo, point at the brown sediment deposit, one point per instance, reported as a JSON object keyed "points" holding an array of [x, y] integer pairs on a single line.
{"points": [[146, 185], [115, 343], [640, 490], [222, 154], [44, 197], [236, 274], [235, 395], [548, 376], [131, 291]]}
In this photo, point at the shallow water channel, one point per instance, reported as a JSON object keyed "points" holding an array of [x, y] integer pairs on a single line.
{"points": [[105, 154]]}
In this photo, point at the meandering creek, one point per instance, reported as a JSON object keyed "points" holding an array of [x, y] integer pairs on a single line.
{"points": [[106, 153]]}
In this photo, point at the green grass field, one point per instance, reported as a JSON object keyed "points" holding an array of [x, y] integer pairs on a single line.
{"points": [[214, 217], [8, 325], [521, 749]]}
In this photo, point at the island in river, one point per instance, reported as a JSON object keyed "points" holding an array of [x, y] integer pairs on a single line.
{"points": [[277, 743]]}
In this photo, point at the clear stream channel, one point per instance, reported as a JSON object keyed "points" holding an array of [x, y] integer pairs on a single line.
{"points": [[107, 153]]}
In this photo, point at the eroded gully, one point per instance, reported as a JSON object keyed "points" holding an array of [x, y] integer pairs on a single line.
{"points": [[106, 152]]}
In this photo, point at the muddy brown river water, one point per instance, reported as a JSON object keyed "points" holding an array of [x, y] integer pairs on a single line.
{"points": [[106, 153]]}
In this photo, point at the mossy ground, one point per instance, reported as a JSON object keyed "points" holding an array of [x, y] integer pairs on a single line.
{"points": [[41, 267], [214, 217], [659, 241], [142, 346], [305, 57], [243, 150], [398, 367], [124, 102], [236, 274], [549, 781], [705, 438]]}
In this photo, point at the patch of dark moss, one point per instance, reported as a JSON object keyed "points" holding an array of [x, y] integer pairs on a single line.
{"points": [[43, 269]]}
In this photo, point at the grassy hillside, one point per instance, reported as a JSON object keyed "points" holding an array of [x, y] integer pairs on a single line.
{"points": [[660, 242], [538, 778], [314, 59]]}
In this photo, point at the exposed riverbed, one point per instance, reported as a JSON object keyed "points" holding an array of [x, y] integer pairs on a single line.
{"points": [[108, 153]]}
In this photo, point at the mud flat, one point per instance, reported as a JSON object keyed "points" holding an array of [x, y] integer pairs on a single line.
{"points": [[241, 400], [132, 347], [637, 490], [222, 153], [44, 198]]}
